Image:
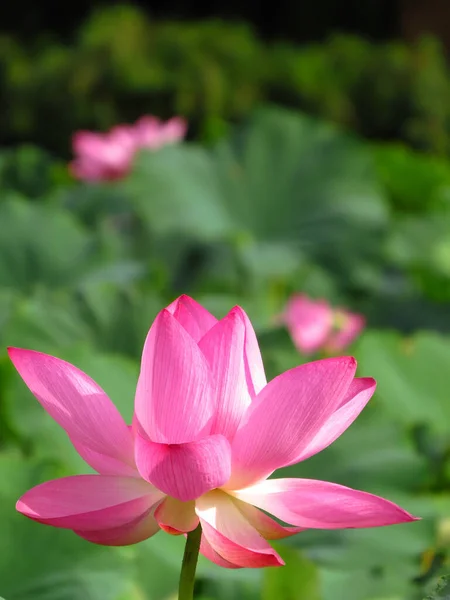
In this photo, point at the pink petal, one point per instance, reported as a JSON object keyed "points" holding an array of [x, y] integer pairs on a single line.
{"points": [[223, 346], [358, 395], [185, 471], [77, 403], [309, 322], [265, 525], [84, 142], [352, 327], [231, 535], [208, 552], [322, 505], [176, 517], [105, 465], [285, 417], [133, 532], [173, 130], [192, 316], [103, 156], [254, 368], [174, 402], [89, 502], [152, 133]]}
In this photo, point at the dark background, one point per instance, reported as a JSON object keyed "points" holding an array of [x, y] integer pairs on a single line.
{"points": [[298, 21]]}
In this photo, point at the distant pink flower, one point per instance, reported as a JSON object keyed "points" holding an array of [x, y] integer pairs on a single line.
{"points": [[152, 133], [314, 325], [108, 156], [208, 431]]}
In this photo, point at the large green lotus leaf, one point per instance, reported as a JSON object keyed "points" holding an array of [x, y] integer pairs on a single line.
{"points": [[39, 244], [283, 171], [412, 373], [175, 189], [43, 245], [420, 246], [43, 321], [290, 181], [118, 317]]}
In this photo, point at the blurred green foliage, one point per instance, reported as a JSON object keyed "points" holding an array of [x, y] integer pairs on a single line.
{"points": [[281, 203], [122, 64]]}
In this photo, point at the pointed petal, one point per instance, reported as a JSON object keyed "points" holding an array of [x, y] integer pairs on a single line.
{"points": [[254, 368], [358, 395], [174, 402], [208, 552], [322, 505], [76, 402], [133, 532], [231, 535], [286, 416], [192, 316], [89, 502], [185, 471], [176, 517], [223, 346]]}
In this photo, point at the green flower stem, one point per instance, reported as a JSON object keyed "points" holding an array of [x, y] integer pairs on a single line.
{"points": [[190, 558]]}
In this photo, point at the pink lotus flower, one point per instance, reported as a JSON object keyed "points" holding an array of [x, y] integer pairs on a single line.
{"points": [[109, 156], [314, 325], [208, 431]]}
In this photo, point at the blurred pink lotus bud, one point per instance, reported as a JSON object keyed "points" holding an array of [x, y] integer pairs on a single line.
{"points": [[152, 133], [109, 156], [314, 325], [103, 156]]}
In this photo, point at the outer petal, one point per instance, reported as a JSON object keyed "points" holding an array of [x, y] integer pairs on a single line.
{"points": [[185, 471], [309, 322], [176, 517], [105, 465], [174, 402], [76, 402], [358, 395], [89, 502], [265, 525], [131, 533], [254, 368], [231, 535], [322, 505], [286, 416], [208, 552], [192, 316], [223, 346]]}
